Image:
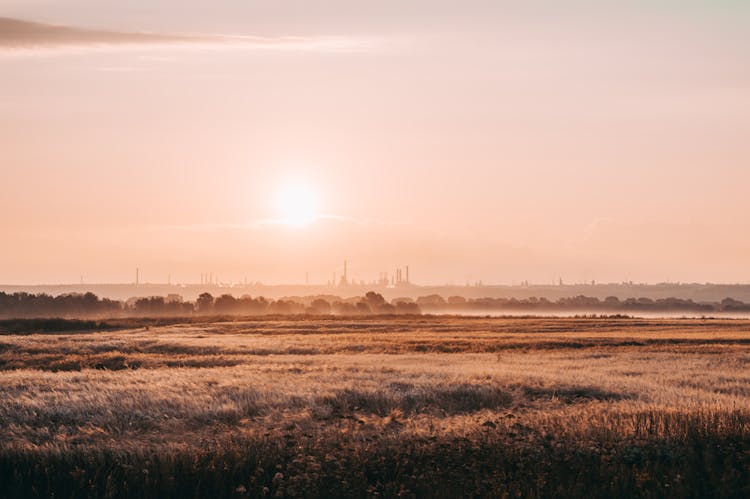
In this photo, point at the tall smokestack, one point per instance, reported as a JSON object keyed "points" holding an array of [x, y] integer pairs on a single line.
{"points": [[136, 276], [345, 278], [407, 274]]}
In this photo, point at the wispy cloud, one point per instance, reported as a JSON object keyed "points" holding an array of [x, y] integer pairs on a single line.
{"points": [[19, 36], [259, 223], [271, 223]]}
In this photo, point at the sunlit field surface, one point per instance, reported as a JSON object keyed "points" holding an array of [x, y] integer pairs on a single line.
{"points": [[380, 407]]}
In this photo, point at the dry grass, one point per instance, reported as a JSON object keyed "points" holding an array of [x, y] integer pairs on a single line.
{"points": [[420, 406]]}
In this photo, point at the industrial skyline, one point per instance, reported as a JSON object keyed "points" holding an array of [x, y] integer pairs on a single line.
{"points": [[398, 276]]}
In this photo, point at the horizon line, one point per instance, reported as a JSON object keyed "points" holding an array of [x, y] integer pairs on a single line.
{"points": [[475, 284]]}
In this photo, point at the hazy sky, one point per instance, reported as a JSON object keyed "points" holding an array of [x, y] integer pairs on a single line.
{"points": [[492, 140]]}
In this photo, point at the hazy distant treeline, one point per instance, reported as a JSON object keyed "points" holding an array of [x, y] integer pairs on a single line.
{"points": [[26, 305], [22, 305], [459, 304]]}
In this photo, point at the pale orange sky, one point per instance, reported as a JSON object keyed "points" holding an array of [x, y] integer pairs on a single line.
{"points": [[469, 140]]}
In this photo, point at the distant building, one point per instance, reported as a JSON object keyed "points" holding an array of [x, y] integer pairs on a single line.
{"points": [[344, 281]]}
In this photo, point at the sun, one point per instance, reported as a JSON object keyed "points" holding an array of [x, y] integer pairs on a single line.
{"points": [[297, 205]]}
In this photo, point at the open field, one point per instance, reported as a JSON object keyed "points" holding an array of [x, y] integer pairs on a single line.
{"points": [[409, 406]]}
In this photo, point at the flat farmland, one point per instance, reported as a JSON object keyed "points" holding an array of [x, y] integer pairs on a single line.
{"points": [[373, 407]]}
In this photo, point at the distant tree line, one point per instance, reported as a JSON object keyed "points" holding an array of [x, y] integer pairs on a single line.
{"points": [[75, 305], [433, 303], [26, 305], [23, 305]]}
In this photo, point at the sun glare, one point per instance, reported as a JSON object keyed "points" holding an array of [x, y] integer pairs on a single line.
{"points": [[297, 205]]}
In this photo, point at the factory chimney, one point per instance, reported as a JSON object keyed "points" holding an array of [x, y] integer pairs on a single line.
{"points": [[344, 279]]}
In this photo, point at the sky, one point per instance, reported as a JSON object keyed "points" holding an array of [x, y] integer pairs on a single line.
{"points": [[475, 140]]}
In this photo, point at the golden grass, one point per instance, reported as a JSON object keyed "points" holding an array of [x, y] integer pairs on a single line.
{"points": [[633, 403]]}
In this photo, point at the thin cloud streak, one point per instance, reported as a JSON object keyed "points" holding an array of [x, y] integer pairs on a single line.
{"points": [[261, 223], [18, 37]]}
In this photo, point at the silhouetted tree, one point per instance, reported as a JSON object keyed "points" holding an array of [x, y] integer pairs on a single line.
{"points": [[320, 306], [205, 303], [284, 307], [456, 300], [612, 301], [731, 305], [377, 304], [225, 304], [431, 301], [253, 306], [149, 306]]}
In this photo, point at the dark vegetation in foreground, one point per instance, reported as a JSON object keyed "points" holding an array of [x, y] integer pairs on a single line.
{"points": [[88, 305], [665, 455]]}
